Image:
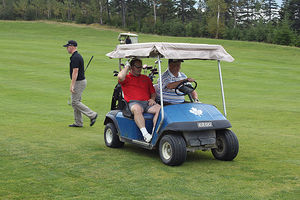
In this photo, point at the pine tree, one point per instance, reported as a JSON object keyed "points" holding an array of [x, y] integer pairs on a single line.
{"points": [[216, 19], [165, 10], [294, 14], [185, 9], [270, 8]]}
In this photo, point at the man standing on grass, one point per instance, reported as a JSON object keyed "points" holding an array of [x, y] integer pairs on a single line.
{"points": [[78, 84]]}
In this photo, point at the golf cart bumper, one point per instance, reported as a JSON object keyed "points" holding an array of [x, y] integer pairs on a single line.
{"points": [[198, 125], [199, 135]]}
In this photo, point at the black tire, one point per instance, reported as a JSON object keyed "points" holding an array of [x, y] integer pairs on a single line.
{"points": [[172, 150], [111, 137], [227, 145]]}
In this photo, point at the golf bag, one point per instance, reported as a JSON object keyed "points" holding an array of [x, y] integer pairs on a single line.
{"points": [[116, 102], [119, 103]]}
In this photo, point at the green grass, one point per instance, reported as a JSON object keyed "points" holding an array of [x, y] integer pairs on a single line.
{"points": [[41, 158]]}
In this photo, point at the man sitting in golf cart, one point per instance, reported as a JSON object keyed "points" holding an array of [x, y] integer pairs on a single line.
{"points": [[140, 94], [171, 78]]}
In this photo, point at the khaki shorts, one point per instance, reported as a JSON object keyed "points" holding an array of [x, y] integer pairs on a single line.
{"points": [[143, 104]]}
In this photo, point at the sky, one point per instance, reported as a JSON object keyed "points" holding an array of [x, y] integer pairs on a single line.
{"points": [[278, 2]]}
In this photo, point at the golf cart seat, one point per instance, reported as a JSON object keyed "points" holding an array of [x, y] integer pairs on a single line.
{"points": [[127, 113], [119, 103]]}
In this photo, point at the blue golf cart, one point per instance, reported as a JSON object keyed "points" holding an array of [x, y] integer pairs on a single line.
{"points": [[180, 128]]}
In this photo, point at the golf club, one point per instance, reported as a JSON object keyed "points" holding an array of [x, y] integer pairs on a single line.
{"points": [[89, 63]]}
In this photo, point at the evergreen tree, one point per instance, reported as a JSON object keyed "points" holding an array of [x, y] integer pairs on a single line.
{"points": [[231, 14], [216, 17], [234, 19], [293, 9], [165, 10], [283, 34], [20, 8], [270, 8], [247, 12], [185, 9], [283, 10]]}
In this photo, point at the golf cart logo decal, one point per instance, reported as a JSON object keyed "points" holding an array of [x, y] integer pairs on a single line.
{"points": [[195, 111]]}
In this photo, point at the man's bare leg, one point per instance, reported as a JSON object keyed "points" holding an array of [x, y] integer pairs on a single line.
{"points": [[154, 110], [137, 111]]}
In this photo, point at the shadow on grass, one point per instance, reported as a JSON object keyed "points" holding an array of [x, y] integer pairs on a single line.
{"points": [[192, 157], [199, 155], [141, 151]]}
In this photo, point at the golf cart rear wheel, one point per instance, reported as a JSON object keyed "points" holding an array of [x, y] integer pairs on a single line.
{"points": [[172, 150], [111, 137], [227, 145]]}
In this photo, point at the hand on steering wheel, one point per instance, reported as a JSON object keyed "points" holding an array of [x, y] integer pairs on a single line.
{"points": [[185, 87]]}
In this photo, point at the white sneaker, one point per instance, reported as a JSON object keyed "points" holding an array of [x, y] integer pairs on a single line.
{"points": [[147, 137]]}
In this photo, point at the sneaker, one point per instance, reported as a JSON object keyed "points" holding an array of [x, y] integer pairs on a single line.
{"points": [[147, 137], [197, 101], [93, 120], [74, 125]]}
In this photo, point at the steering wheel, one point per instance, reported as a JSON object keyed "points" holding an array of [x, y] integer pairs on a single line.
{"points": [[185, 87]]}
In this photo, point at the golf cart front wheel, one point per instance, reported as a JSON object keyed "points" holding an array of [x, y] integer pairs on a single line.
{"points": [[111, 137], [172, 150], [227, 145]]}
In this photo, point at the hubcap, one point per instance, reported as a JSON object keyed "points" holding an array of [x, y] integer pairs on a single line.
{"points": [[166, 151], [109, 135], [220, 145]]}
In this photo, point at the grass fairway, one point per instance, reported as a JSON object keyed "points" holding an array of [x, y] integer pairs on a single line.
{"points": [[41, 158]]}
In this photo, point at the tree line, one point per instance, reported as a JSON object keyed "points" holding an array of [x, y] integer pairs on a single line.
{"points": [[250, 20]]}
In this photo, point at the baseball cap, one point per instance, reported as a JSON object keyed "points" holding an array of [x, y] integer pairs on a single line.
{"points": [[175, 60], [71, 43]]}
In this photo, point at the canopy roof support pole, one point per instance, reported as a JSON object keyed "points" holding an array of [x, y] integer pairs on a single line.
{"points": [[222, 89], [161, 96], [120, 64]]}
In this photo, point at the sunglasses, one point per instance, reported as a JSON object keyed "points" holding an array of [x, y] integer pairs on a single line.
{"points": [[138, 66]]}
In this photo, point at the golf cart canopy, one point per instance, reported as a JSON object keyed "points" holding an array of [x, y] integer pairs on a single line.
{"points": [[122, 37], [185, 51]]}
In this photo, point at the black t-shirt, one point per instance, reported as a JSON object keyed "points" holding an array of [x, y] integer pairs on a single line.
{"points": [[76, 61], [128, 41]]}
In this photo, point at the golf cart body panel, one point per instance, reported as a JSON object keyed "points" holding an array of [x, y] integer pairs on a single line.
{"points": [[129, 129], [111, 117], [190, 117]]}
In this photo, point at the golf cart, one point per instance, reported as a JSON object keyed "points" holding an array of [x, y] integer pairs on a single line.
{"points": [[180, 127], [133, 37]]}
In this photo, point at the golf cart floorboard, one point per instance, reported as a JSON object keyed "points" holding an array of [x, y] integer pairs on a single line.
{"points": [[137, 142]]}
